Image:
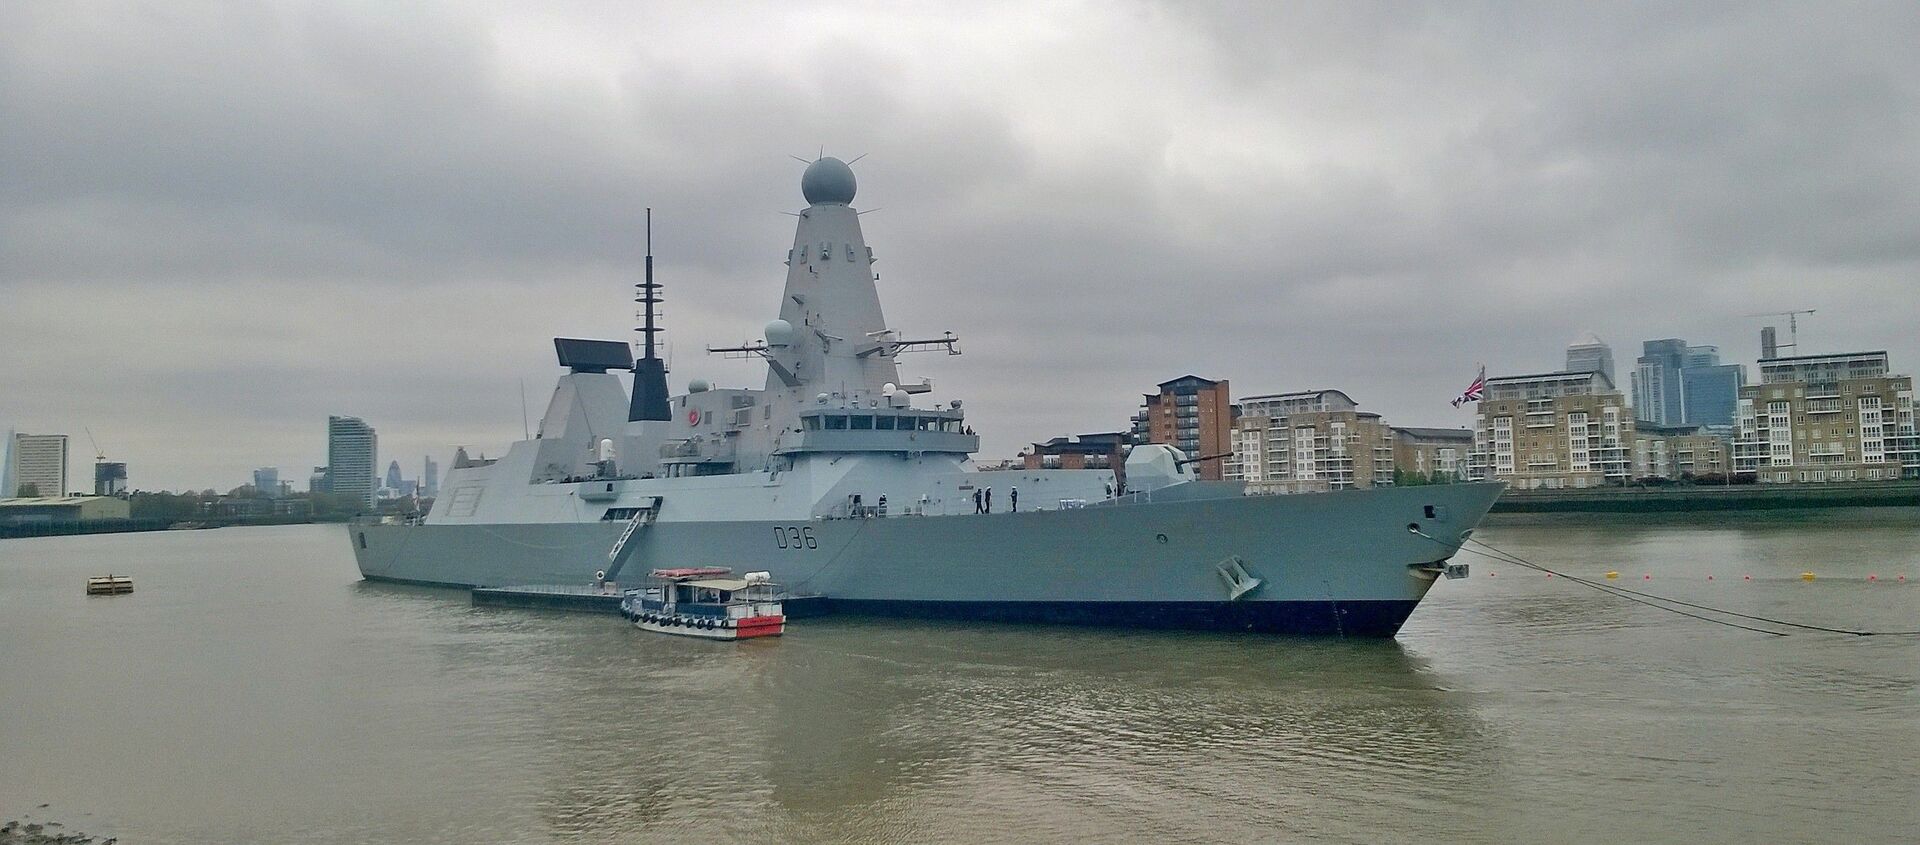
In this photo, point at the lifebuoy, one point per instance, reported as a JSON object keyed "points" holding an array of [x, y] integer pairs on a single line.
{"points": [[693, 417]]}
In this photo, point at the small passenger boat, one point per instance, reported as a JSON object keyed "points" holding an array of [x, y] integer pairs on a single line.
{"points": [[703, 602]]}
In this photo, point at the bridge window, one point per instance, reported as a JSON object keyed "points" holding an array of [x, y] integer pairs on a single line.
{"points": [[863, 422], [810, 423], [883, 423], [836, 422]]}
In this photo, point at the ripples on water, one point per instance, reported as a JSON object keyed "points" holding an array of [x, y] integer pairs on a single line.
{"points": [[254, 690]]}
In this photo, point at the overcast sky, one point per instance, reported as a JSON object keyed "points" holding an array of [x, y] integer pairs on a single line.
{"points": [[221, 223]]}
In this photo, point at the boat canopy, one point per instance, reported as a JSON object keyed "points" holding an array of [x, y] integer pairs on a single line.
{"points": [[691, 572], [727, 584]]}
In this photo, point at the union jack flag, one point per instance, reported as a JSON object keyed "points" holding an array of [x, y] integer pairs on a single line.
{"points": [[1473, 391]]}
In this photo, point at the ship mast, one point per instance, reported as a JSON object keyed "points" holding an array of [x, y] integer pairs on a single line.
{"points": [[649, 372]]}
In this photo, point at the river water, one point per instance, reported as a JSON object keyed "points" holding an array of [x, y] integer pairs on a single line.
{"points": [[254, 689]]}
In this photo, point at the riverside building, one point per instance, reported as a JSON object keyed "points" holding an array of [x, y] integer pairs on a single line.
{"points": [[1553, 431], [1191, 414], [37, 463], [1680, 452], [1432, 455], [1307, 442], [1826, 418]]}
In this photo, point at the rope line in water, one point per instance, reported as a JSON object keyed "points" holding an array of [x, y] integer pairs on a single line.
{"points": [[1651, 600], [1513, 558]]}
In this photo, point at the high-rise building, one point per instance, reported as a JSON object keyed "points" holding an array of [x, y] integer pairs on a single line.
{"points": [[394, 480], [1769, 343], [318, 482], [1194, 415], [1824, 418], [1709, 395], [1308, 442], [109, 478], [267, 481], [1552, 431], [352, 452], [39, 460], [1677, 385], [430, 478], [1656, 381], [1590, 354]]}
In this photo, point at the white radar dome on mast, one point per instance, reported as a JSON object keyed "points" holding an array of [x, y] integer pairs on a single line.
{"points": [[827, 180], [779, 333]]}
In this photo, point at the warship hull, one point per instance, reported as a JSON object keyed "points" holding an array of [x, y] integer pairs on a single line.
{"points": [[1341, 563]]}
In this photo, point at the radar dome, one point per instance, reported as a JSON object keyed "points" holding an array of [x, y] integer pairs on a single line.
{"points": [[779, 333], [698, 385], [827, 180]]}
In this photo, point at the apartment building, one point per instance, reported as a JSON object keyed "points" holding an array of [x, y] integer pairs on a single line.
{"points": [[1433, 455], [1553, 431], [1826, 418], [1191, 414], [1680, 452], [1307, 442]]}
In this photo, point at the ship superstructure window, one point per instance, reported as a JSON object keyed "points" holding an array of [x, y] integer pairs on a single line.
{"points": [[884, 423], [810, 423], [863, 422], [836, 422]]}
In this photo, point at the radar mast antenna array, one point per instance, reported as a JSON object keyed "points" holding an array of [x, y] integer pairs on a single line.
{"points": [[649, 372]]}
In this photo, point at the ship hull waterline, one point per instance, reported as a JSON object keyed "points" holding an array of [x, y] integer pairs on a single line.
{"points": [[1340, 564]]}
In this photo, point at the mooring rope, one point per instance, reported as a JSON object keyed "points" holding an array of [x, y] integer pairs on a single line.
{"points": [[1654, 601]]}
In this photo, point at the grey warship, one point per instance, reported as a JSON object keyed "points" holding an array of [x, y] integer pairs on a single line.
{"points": [[845, 482]]}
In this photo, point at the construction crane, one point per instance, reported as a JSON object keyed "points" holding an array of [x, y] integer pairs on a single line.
{"points": [[1793, 326], [98, 455]]}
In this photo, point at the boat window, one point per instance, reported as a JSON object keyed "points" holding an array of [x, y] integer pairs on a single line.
{"points": [[863, 422], [836, 421], [883, 423]]}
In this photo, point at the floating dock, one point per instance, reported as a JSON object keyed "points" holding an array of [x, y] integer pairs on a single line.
{"points": [[586, 598], [109, 585]]}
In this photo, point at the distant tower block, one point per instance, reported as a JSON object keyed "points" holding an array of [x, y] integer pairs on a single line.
{"points": [[1769, 344]]}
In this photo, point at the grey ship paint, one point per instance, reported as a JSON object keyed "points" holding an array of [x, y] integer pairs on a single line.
{"points": [[845, 482]]}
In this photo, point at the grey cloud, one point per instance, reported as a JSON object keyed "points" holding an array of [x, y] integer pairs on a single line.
{"points": [[239, 221]]}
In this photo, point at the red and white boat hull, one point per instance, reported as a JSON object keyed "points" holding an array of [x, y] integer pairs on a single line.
{"points": [[708, 628]]}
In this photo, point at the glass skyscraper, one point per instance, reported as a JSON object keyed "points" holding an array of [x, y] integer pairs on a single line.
{"points": [[1675, 384]]}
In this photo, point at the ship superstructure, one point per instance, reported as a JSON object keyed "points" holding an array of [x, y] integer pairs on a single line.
{"points": [[842, 480]]}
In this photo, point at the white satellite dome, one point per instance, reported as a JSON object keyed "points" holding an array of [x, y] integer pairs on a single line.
{"points": [[779, 333]]}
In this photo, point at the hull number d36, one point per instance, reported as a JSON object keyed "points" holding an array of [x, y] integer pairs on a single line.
{"points": [[794, 537]]}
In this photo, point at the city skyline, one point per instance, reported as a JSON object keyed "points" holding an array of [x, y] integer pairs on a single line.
{"points": [[1102, 198]]}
